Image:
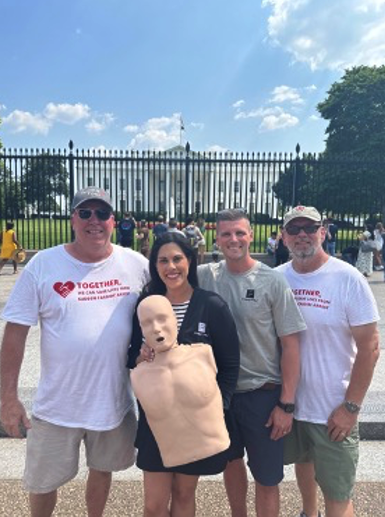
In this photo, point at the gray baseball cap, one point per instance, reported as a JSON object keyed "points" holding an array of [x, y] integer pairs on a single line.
{"points": [[308, 212], [91, 194]]}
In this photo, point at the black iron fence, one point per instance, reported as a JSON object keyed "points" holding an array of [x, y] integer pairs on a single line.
{"points": [[36, 188]]}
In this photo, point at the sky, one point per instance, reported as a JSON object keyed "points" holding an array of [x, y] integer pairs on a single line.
{"points": [[241, 76]]}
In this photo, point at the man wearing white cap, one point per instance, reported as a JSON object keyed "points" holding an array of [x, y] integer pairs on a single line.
{"points": [[339, 350], [83, 294]]}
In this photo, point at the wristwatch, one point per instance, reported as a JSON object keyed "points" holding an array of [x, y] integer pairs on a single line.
{"points": [[287, 407], [352, 407]]}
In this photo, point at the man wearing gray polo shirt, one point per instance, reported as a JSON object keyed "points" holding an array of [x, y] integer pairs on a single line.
{"points": [[268, 322]]}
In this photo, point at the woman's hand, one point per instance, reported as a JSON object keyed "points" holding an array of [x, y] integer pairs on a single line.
{"points": [[146, 354]]}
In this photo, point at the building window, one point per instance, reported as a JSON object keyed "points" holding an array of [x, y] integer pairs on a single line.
{"points": [[138, 205], [268, 187], [122, 184], [198, 186], [252, 186], [90, 181], [106, 183], [221, 205], [198, 207], [138, 184], [221, 186], [236, 186]]}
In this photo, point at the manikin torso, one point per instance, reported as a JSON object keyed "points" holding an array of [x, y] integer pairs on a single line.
{"points": [[178, 390]]}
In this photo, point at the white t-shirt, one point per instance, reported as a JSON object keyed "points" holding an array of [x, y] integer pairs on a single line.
{"points": [[85, 312], [332, 299], [264, 309]]}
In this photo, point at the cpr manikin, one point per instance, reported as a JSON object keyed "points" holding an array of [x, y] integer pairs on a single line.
{"points": [[178, 389]]}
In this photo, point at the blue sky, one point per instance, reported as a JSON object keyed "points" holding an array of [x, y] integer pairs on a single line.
{"points": [[244, 75]]}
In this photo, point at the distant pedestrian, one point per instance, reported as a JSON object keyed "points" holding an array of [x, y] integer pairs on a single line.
{"points": [[281, 252], [126, 228], [9, 244], [173, 227], [215, 251], [331, 236], [378, 239], [366, 248], [193, 234], [143, 236], [160, 227]]}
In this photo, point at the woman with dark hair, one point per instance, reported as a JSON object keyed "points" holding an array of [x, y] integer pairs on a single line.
{"points": [[203, 317]]}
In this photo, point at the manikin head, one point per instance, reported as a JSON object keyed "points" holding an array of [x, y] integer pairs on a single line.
{"points": [[158, 323]]}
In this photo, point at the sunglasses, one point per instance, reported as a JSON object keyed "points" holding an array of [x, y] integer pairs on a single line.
{"points": [[295, 230], [101, 214]]}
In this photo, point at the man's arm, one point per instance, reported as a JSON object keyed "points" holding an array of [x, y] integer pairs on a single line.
{"points": [[290, 369], [13, 413], [341, 422]]}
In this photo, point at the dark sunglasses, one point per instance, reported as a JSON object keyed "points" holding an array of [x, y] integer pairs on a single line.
{"points": [[101, 214], [295, 230]]}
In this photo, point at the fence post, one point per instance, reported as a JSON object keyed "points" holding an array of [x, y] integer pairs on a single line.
{"points": [[296, 177], [72, 178], [187, 189]]}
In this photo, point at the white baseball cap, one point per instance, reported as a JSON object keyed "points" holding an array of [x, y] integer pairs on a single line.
{"points": [[308, 212]]}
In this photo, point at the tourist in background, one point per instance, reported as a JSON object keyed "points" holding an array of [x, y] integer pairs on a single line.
{"points": [[9, 244]]}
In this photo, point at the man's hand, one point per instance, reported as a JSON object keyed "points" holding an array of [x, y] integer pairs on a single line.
{"points": [[341, 423], [281, 423], [14, 417]]}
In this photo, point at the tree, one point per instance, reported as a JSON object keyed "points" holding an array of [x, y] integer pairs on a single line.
{"points": [[346, 179], [355, 108], [45, 180]]}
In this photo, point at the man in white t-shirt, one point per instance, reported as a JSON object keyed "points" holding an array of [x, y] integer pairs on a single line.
{"points": [[268, 322], [83, 294], [339, 350]]}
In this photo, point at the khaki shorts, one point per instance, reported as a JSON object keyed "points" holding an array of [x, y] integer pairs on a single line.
{"points": [[335, 463], [53, 452]]}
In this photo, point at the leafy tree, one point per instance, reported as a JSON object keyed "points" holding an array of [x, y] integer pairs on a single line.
{"points": [[11, 199], [355, 108], [45, 180], [346, 179]]}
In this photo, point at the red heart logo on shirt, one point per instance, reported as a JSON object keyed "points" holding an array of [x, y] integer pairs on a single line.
{"points": [[64, 289]]}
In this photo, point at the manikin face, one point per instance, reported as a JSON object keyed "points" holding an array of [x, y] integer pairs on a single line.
{"points": [[158, 323]]}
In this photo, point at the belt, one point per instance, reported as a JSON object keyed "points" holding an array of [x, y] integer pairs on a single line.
{"points": [[268, 386]]}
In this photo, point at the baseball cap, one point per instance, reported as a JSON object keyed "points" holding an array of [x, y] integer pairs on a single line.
{"points": [[91, 194], [308, 212]]}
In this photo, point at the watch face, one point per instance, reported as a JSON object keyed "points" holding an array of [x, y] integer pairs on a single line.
{"points": [[352, 407], [287, 408]]}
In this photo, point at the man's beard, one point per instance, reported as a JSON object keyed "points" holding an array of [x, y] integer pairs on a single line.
{"points": [[304, 253]]}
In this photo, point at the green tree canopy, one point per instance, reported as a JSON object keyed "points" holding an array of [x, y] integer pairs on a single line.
{"points": [[355, 109], [45, 180], [347, 178]]}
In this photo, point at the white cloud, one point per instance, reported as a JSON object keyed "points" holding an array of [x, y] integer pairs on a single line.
{"points": [[217, 149], [272, 118], [67, 113], [198, 125], [131, 128], [100, 123], [286, 94], [20, 121], [158, 134], [315, 118], [280, 121], [238, 104], [329, 34], [3, 107]]}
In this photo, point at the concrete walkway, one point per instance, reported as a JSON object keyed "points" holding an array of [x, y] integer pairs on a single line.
{"points": [[127, 490]]}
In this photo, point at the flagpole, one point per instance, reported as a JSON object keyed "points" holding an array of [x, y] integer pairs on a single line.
{"points": [[181, 128]]}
